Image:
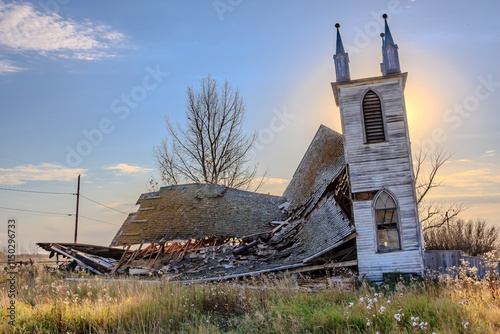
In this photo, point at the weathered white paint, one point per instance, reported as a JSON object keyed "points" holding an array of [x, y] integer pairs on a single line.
{"points": [[386, 165]]}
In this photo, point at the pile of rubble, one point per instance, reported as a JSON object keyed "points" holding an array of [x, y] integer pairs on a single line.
{"points": [[208, 258]]}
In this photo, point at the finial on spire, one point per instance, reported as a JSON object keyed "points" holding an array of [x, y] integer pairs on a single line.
{"points": [[340, 45], [388, 36], [389, 51], [341, 59]]}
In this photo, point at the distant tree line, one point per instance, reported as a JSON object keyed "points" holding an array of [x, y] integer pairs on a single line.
{"points": [[474, 238]]}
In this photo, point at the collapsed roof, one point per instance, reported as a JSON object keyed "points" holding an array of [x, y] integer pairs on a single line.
{"points": [[196, 211], [209, 231], [310, 220]]}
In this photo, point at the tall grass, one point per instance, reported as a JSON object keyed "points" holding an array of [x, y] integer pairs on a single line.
{"points": [[47, 303]]}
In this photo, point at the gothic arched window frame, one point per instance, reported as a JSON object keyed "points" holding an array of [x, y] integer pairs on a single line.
{"points": [[373, 118], [387, 222]]}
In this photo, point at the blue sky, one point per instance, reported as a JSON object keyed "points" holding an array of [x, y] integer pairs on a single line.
{"points": [[97, 78]]}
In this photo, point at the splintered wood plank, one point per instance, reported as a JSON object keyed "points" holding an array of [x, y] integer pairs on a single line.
{"points": [[118, 265], [326, 266]]}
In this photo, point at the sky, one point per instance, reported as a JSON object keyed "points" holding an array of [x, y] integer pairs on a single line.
{"points": [[85, 87]]}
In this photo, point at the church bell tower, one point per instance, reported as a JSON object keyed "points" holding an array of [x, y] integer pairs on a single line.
{"points": [[379, 161]]}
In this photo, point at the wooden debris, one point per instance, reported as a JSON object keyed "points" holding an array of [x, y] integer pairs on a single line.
{"points": [[326, 266], [244, 248]]}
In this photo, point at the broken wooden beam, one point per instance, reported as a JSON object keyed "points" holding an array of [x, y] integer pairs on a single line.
{"points": [[135, 253], [326, 266], [244, 248], [121, 260], [221, 278], [280, 225], [72, 256]]}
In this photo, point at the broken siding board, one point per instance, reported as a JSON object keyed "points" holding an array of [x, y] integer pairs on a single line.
{"points": [[250, 273], [326, 266]]}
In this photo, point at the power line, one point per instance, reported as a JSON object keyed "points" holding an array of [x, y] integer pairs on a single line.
{"points": [[57, 213], [97, 220], [36, 211], [62, 193], [103, 205], [37, 192]]}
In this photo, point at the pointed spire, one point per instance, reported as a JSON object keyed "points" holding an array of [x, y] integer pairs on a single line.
{"points": [[388, 35], [389, 52], [340, 46], [341, 59]]}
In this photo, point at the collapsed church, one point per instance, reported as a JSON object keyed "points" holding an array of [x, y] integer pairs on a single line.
{"points": [[350, 204]]}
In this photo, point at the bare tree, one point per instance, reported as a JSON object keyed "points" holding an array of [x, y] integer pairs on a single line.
{"points": [[211, 147], [432, 214], [473, 238]]}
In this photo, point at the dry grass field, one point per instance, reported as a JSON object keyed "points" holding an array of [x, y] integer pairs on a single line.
{"points": [[48, 303]]}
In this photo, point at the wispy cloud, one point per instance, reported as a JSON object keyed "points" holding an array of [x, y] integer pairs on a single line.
{"points": [[274, 180], [6, 66], [473, 179], [24, 28], [124, 169], [488, 154], [43, 172]]}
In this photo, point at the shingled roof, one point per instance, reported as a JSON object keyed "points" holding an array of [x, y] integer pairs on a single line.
{"points": [[196, 211], [322, 163]]}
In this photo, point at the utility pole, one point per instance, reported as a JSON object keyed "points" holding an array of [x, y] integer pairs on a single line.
{"points": [[77, 204]]}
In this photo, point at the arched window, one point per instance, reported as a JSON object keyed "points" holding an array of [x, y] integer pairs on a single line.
{"points": [[386, 216], [373, 119]]}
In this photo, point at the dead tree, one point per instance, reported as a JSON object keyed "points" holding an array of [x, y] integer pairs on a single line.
{"points": [[432, 214], [211, 147]]}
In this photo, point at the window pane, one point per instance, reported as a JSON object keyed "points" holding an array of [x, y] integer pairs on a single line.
{"points": [[389, 203], [385, 201], [393, 239], [380, 217], [381, 200], [383, 241], [390, 217]]}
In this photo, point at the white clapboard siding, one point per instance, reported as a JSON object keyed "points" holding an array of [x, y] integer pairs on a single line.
{"points": [[383, 165]]}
